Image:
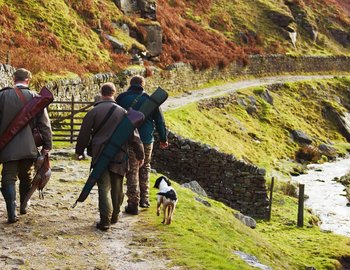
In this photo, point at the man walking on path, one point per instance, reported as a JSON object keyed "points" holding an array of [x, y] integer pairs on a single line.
{"points": [[18, 156], [99, 123], [138, 177]]}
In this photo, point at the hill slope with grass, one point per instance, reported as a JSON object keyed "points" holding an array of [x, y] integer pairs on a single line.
{"points": [[258, 130], [62, 37], [207, 237]]}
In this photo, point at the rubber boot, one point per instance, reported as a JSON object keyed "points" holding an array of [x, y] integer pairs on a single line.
{"points": [[24, 187], [9, 193]]}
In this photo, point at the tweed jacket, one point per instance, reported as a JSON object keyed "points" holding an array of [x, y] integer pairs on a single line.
{"points": [[22, 146], [92, 120]]}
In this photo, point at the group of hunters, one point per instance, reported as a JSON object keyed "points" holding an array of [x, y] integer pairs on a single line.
{"points": [[20, 151]]}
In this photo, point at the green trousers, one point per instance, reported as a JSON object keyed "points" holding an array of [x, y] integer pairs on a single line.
{"points": [[110, 195]]}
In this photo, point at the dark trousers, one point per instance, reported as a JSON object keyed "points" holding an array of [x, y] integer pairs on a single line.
{"points": [[10, 171], [21, 169]]}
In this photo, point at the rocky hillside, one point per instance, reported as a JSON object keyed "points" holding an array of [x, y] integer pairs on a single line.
{"points": [[90, 36]]}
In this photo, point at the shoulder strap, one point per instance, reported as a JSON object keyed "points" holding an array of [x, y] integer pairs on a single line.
{"points": [[111, 110], [20, 95], [134, 102]]}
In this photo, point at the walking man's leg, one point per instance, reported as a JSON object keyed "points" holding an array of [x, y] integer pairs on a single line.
{"points": [[104, 201], [132, 183], [117, 195], [8, 188], [144, 176]]}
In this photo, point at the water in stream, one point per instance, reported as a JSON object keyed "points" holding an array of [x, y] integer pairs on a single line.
{"points": [[326, 196]]}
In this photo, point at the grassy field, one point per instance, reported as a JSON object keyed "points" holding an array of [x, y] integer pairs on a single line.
{"points": [[203, 237]]}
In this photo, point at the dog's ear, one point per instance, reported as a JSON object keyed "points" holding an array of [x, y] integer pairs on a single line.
{"points": [[159, 179]]}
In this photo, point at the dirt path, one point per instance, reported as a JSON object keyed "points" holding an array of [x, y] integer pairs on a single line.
{"points": [[55, 236], [175, 102]]}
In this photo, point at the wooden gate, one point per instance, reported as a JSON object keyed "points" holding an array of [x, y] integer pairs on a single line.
{"points": [[66, 118]]}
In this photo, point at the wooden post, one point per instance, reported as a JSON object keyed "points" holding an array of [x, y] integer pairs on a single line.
{"points": [[301, 205], [271, 192], [72, 121]]}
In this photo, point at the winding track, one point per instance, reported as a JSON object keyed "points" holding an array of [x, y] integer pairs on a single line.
{"points": [[196, 95]]}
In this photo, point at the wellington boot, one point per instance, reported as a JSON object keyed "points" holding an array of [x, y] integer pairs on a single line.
{"points": [[9, 193], [24, 188]]}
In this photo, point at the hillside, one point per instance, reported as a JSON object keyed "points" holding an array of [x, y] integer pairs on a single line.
{"points": [[257, 124], [89, 36]]}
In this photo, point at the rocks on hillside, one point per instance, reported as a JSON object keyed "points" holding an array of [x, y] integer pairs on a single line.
{"points": [[342, 121], [267, 96], [300, 137], [279, 18], [146, 8], [117, 45], [327, 150], [302, 19], [152, 38], [340, 36], [149, 34], [195, 187], [246, 220]]}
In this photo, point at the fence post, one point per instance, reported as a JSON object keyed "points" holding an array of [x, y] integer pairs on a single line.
{"points": [[72, 121], [271, 192], [301, 205]]}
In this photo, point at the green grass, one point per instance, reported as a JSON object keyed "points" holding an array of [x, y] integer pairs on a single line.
{"points": [[202, 237], [263, 137]]}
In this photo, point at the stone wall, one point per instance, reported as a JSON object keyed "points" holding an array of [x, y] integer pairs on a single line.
{"points": [[179, 76], [6, 72], [236, 183]]}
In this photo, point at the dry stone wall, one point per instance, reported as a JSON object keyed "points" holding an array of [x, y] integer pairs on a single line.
{"points": [[236, 183], [180, 76]]}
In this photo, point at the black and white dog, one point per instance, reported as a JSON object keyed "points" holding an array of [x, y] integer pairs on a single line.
{"points": [[166, 196]]}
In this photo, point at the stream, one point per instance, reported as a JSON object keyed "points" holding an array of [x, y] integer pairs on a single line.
{"points": [[326, 196]]}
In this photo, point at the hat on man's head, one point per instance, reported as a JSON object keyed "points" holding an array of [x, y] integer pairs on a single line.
{"points": [[22, 74]]}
